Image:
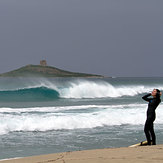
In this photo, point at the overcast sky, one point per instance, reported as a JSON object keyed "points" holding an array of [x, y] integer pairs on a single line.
{"points": [[107, 37]]}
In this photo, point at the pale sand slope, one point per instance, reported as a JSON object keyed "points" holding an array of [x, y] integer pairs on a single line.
{"points": [[153, 154]]}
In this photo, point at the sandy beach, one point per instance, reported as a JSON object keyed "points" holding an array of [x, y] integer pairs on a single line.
{"points": [[110, 155]]}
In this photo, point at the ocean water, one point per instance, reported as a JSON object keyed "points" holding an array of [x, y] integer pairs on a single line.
{"points": [[51, 115]]}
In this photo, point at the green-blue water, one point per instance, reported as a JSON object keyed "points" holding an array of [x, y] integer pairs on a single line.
{"points": [[40, 115]]}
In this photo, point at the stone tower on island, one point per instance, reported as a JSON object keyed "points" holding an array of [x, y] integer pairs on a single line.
{"points": [[43, 63]]}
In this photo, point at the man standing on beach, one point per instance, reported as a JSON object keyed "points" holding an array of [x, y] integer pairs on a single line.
{"points": [[151, 115]]}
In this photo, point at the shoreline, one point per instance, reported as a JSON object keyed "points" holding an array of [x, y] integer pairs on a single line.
{"points": [[112, 155]]}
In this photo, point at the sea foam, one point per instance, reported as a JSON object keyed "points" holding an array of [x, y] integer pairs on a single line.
{"points": [[68, 117]]}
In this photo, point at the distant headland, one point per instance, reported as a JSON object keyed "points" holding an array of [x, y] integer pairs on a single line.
{"points": [[43, 70]]}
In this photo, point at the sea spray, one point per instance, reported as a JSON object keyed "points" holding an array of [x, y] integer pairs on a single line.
{"points": [[89, 89]]}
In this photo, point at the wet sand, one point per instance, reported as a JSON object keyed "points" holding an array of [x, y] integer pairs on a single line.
{"points": [[153, 154]]}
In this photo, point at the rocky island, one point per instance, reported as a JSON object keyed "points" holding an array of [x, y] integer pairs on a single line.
{"points": [[43, 70]]}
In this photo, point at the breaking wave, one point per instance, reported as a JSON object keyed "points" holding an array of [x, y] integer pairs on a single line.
{"points": [[77, 90], [101, 90]]}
